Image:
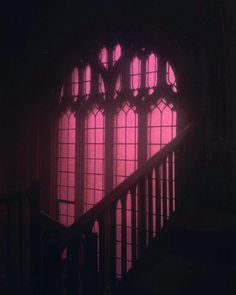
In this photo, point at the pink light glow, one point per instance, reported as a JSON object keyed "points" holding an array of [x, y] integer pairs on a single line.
{"points": [[118, 84], [161, 127], [94, 158], [170, 77], [101, 85], [135, 73], [75, 82], [87, 80], [125, 143], [66, 167], [103, 57], [116, 53], [151, 75], [66, 213]]}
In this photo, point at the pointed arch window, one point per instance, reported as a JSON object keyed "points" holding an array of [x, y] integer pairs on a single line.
{"points": [[94, 157], [122, 111], [161, 126], [66, 168], [125, 156]]}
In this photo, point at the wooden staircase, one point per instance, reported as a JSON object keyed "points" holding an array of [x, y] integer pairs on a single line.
{"points": [[89, 263], [79, 260], [194, 254]]}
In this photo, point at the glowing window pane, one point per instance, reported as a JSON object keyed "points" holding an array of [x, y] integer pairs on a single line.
{"points": [[116, 54], [118, 84], [103, 57], [101, 85], [75, 82], [94, 158], [87, 80], [118, 240], [170, 77], [151, 73], [66, 166], [135, 73], [125, 143], [66, 213], [161, 126]]}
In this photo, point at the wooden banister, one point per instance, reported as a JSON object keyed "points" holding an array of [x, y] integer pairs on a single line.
{"points": [[84, 222], [129, 217], [20, 242], [51, 224]]}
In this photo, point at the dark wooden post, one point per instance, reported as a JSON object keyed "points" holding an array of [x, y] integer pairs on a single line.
{"points": [[142, 217], [113, 246], [35, 240], [150, 208]]}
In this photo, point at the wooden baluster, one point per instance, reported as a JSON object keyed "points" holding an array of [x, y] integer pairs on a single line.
{"points": [[35, 238], [150, 208], [142, 217], [179, 176], [102, 250], [113, 246], [90, 265], [164, 195], [3, 247], [107, 253], [133, 223], [170, 183], [53, 265], [123, 234], [20, 222], [74, 258], [9, 231], [158, 198]]}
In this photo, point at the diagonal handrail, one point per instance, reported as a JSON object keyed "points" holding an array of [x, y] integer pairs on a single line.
{"points": [[129, 217], [85, 221]]}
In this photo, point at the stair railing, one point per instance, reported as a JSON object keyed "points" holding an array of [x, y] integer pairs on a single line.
{"points": [[101, 246], [20, 242]]}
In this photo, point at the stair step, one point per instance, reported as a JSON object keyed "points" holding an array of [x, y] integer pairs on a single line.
{"points": [[195, 254]]}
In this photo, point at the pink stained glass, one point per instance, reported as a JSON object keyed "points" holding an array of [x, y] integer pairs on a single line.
{"points": [[75, 82], [66, 213], [135, 73], [87, 80], [116, 53], [151, 72], [103, 57], [66, 165], [161, 127], [170, 77], [94, 158], [125, 143], [101, 85], [118, 84]]}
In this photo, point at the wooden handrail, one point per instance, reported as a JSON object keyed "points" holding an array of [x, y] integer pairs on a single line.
{"points": [[85, 221], [20, 234], [97, 246], [50, 223], [15, 196]]}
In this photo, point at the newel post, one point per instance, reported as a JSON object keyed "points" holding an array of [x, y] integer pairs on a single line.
{"points": [[35, 238]]}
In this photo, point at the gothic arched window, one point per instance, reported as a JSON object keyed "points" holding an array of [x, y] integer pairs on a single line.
{"points": [[115, 112]]}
